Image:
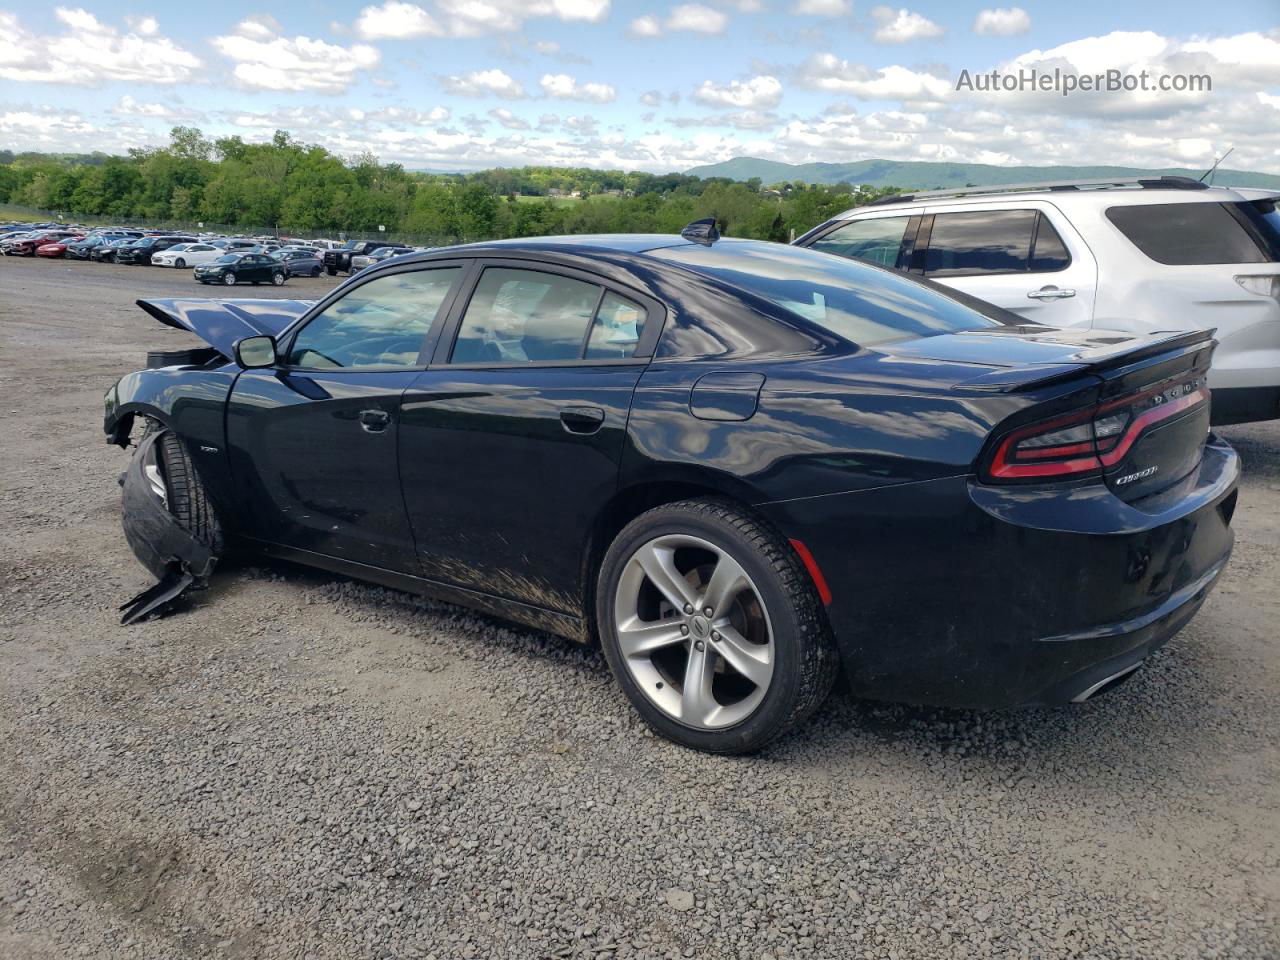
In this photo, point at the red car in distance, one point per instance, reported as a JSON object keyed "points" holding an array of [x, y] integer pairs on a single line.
{"points": [[56, 248], [27, 246]]}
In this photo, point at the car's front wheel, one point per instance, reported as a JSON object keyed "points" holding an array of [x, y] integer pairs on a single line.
{"points": [[712, 626], [180, 263], [229, 279]]}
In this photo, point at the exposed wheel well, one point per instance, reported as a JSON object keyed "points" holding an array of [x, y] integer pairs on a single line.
{"points": [[620, 511]]}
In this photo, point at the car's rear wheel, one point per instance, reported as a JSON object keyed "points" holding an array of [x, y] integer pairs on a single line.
{"points": [[277, 278], [315, 271], [712, 626], [331, 271], [229, 279]]}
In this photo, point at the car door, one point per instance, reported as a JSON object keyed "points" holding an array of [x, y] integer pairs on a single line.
{"points": [[314, 441], [510, 443], [1025, 257]]}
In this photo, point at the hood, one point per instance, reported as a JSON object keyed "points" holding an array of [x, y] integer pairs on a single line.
{"points": [[1021, 356], [220, 323]]}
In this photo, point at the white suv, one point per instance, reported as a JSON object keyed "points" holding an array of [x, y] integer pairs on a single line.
{"points": [[1165, 253]]}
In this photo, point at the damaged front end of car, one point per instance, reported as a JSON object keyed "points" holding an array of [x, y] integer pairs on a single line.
{"points": [[179, 559], [176, 487]]}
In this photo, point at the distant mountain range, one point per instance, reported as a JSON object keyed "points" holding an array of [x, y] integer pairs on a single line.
{"points": [[924, 175]]}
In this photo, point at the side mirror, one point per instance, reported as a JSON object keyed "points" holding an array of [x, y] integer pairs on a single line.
{"points": [[253, 353]]}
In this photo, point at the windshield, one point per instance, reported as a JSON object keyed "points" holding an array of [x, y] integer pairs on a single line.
{"points": [[229, 258], [863, 304], [178, 248]]}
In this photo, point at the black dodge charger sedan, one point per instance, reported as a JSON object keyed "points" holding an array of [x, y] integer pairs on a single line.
{"points": [[741, 467]]}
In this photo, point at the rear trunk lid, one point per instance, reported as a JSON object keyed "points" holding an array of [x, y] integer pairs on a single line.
{"points": [[1145, 430]]}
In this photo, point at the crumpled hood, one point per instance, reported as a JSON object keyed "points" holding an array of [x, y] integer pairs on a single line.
{"points": [[220, 323]]}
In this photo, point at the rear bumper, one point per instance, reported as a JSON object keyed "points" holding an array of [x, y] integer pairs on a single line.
{"points": [[952, 593]]}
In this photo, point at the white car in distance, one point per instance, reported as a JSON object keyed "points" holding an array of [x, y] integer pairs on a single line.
{"points": [[182, 255]]}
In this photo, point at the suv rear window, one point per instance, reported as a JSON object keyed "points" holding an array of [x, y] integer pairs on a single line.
{"points": [[1182, 234]]}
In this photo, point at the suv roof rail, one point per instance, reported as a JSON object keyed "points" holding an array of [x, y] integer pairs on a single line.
{"points": [[1102, 183]]}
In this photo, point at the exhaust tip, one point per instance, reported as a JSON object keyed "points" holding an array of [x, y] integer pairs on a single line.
{"points": [[1106, 683]]}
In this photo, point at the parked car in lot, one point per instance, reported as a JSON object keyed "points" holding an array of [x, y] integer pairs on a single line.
{"points": [[305, 263], [233, 268], [56, 248], [189, 254], [25, 245], [740, 465], [377, 256], [106, 253], [1136, 254], [82, 248], [338, 260], [141, 251]]}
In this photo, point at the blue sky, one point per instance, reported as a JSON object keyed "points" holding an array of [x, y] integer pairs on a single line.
{"points": [[466, 84]]}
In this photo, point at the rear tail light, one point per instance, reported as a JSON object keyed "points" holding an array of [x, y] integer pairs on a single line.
{"points": [[1262, 284], [1090, 440]]}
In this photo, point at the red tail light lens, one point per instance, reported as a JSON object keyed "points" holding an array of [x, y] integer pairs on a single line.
{"points": [[1084, 442]]}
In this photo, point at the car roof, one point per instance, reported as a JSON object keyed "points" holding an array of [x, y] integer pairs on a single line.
{"points": [[1083, 197]]}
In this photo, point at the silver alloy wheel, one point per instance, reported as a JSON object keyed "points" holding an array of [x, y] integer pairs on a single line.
{"points": [[229, 279], [693, 631], [155, 479]]}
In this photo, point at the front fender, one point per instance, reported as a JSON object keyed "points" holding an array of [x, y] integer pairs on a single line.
{"points": [[191, 401]]}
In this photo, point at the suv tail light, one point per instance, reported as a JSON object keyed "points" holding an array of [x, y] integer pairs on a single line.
{"points": [[1262, 284], [1088, 441]]}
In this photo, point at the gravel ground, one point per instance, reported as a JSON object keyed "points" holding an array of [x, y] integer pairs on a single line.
{"points": [[302, 766]]}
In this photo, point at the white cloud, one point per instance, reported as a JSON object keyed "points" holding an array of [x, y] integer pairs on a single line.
{"points": [[826, 71], [469, 18], [269, 61], [485, 83], [90, 52], [902, 25], [127, 106], [1002, 22], [822, 8], [397, 20], [645, 27], [754, 94], [690, 17], [509, 119], [564, 87], [739, 120], [144, 26], [696, 18]]}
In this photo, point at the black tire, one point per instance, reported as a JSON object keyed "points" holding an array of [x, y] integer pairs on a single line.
{"points": [[331, 271], [315, 271], [278, 278], [806, 664], [180, 263], [189, 501]]}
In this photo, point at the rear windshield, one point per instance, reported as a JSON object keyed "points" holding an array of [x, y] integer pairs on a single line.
{"points": [[1185, 234], [862, 304]]}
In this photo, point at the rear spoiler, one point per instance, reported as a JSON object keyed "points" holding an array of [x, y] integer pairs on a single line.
{"points": [[1104, 360], [220, 323]]}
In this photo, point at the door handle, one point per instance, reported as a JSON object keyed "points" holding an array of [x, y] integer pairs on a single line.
{"points": [[584, 420], [374, 421], [1051, 292]]}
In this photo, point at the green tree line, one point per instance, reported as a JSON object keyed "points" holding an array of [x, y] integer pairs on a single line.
{"points": [[302, 188]]}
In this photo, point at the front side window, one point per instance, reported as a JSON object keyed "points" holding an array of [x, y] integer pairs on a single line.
{"points": [[525, 316], [968, 244], [876, 241], [381, 323]]}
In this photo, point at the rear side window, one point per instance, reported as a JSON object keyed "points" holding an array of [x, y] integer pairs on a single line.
{"points": [[1048, 252], [1183, 234], [525, 316], [965, 244], [878, 240]]}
